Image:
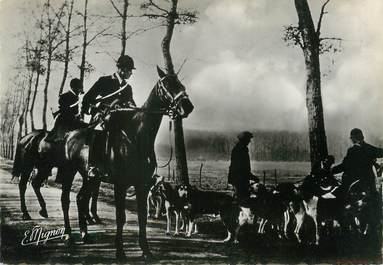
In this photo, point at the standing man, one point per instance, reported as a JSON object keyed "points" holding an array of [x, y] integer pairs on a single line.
{"points": [[240, 169], [358, 162], [107, 91]]}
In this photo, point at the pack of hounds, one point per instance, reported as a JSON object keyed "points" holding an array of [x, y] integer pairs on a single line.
{"points": [[282, 209]]}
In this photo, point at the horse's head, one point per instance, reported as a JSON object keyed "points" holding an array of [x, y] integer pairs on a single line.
{"points": [[173, 95]]}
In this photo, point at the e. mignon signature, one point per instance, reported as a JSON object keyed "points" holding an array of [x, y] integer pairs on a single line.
{"points": [[37, 235]]}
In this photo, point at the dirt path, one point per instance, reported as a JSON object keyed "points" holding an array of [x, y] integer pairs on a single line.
{"points": [[166, 249], [205, 248]]}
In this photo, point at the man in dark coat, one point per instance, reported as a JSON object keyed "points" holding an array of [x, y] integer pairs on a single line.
{"points": [[358, 162], [106, 91], [110, 88], [240, 169], [67, 117]]}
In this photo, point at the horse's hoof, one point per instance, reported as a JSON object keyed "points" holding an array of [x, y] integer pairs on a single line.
{"points": [[85, 238], [147, 256], [167, 233], [97, 220], [69, 243], [120, 256], [43, 213], [26, 216], [90, 220]]}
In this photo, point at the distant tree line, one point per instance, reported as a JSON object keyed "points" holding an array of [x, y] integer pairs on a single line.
{"points": [[266, 145]]}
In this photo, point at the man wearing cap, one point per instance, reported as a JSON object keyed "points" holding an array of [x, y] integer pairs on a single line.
{"points": [[68, 117], [358, 162], [105, 91], [240, 169]]}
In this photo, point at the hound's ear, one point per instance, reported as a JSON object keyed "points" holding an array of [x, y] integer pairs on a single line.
{"points": [[161, 73]]}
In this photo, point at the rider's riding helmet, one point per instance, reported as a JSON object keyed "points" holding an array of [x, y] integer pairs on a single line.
{"points": [[125, 61], [76, 85]]}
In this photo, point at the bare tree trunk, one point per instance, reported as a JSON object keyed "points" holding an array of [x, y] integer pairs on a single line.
{"points": [[311, 41], [182, 176], [37, 58], [21, 122], [180, 153], [34, 99], [123, 30], [27, 101], [168, 37], [47, 78], [67, 49], [84, 44]]}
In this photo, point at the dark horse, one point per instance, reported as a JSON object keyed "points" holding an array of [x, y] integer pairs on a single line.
{"points": [[33, 151], [131, 160], [27, 158]]}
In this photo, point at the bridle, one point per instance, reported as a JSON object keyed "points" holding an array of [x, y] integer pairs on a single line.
{"points": [[168, 99], [172, 102]]}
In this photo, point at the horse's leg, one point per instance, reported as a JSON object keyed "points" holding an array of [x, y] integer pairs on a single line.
{"points": [[148, 201], [176, 233], [119, 197], [42, 174], [65, 200], [22, 188], [168, 218], [141, 193], [82, 206], [286, 215], [95, 191], [158, 207]]}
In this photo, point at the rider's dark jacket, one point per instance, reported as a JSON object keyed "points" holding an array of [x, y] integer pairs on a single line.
{"points": [[357, 164], [67, 117], [68, 105], [105, 86]]}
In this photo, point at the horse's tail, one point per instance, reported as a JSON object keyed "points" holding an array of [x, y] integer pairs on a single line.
{"points": [[18, 161], [24, 146]]}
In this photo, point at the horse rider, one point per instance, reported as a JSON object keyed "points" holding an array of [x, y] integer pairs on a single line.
{"points": [[106, 91], [67, 118], [358, 162], [240, 168]]}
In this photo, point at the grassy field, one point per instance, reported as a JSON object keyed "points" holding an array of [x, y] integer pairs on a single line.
{"points": [[214, 172]]}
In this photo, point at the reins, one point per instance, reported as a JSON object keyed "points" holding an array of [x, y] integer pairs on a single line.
{"points": [[171, 148]]}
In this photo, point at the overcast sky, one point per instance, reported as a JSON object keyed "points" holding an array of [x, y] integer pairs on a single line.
{"points": [[239, 73]]}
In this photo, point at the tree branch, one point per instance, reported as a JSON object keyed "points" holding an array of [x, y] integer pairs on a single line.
{"points": [[153, 16], [96, 35], [322, 12], [331, 38], [115, 8], [151, 3], [139, 31]]}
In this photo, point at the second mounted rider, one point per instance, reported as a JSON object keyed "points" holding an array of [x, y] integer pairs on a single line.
{"points": [[102, 96]]}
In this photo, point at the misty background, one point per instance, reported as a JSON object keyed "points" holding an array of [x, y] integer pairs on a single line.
{"points": [[239, 73]]}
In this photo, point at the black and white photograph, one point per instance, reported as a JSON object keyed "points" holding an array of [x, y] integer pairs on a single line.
{"points": [[191, 131]]}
